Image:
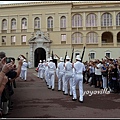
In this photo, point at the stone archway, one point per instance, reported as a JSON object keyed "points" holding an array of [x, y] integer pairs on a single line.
{"points": [[39, 47], [39, 54]]}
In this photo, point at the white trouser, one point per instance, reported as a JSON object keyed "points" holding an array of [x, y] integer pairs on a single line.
{"points": [[51, 79], [68, 78], [40, 73], [78, 79], [61, 80], [104, 81], [24, 74], [46, 75]]}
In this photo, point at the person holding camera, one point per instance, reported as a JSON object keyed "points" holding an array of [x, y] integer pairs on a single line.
{"points": [[3, 78], [9, 74]]}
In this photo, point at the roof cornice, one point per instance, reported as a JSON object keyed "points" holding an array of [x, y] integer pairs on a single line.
{"points": [[58, 2]]}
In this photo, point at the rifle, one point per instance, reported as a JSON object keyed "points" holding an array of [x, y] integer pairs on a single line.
{"points": [[83, 53], [65, 56], [72, 55], [52, 55]]}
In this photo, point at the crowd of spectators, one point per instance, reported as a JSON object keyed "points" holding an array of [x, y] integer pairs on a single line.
{"points": [[103, 74]]}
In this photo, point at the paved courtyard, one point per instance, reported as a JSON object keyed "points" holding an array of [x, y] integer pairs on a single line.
{"points": [[32, 99]]}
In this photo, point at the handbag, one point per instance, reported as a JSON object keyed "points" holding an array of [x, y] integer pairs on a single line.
{"points": [[36, 69]]}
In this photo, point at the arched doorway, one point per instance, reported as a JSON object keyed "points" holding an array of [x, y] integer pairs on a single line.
{"points": [[107, 37], [118, 37], [40, 54]]}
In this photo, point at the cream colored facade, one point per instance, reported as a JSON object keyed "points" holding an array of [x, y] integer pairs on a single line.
{"points": [[107, 36]]}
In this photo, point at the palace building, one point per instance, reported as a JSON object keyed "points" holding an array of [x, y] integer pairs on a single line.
{"points": [[36, 29]]}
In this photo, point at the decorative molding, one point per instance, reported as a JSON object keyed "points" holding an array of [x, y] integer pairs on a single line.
{"points": [[50, 13]]}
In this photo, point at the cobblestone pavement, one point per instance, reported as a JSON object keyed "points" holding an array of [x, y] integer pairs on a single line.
{"points": [[32, 99]]}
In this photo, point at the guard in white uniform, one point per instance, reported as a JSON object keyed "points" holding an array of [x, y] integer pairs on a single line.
{"points": [[51, 70], [68, 76], [43, 69], [61, 74], [40, 69], [24, 70], [79, 68]]}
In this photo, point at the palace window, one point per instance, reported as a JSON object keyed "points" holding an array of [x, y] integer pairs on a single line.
{"points": [[13, 39], [4, 24], [91, 20], [92, 37], [3, 39], [23, 38], [13, 24], [37, 23], [24, 23], [77, 20], [106, 19], [63, 22], [77, 38], [63, 37], [92, 55], [108, 54], [50, 22], [118, 19]]}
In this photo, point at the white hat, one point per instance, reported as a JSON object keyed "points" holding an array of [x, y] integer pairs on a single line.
{"points": [[40, 61], [78, 57], [24, 60], [61, 59], [50, 58], [67, 57], [43, 60]]}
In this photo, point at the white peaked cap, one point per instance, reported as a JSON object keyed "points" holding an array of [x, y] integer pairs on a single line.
{"points": [[67, 57], [78, 57], [51, 58], [61, 59], [43, 60], [40, 61], [24, 60]]}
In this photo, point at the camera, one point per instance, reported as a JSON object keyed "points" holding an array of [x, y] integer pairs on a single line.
{"points": [[18, 58], [8, 60]]}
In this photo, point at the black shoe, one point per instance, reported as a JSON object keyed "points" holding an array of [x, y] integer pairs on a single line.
{"points": [[52, 89], [80, 101], [74, 99], [49, 88], [101, 87], [70, 95], [65, 94], [59, 90]]}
